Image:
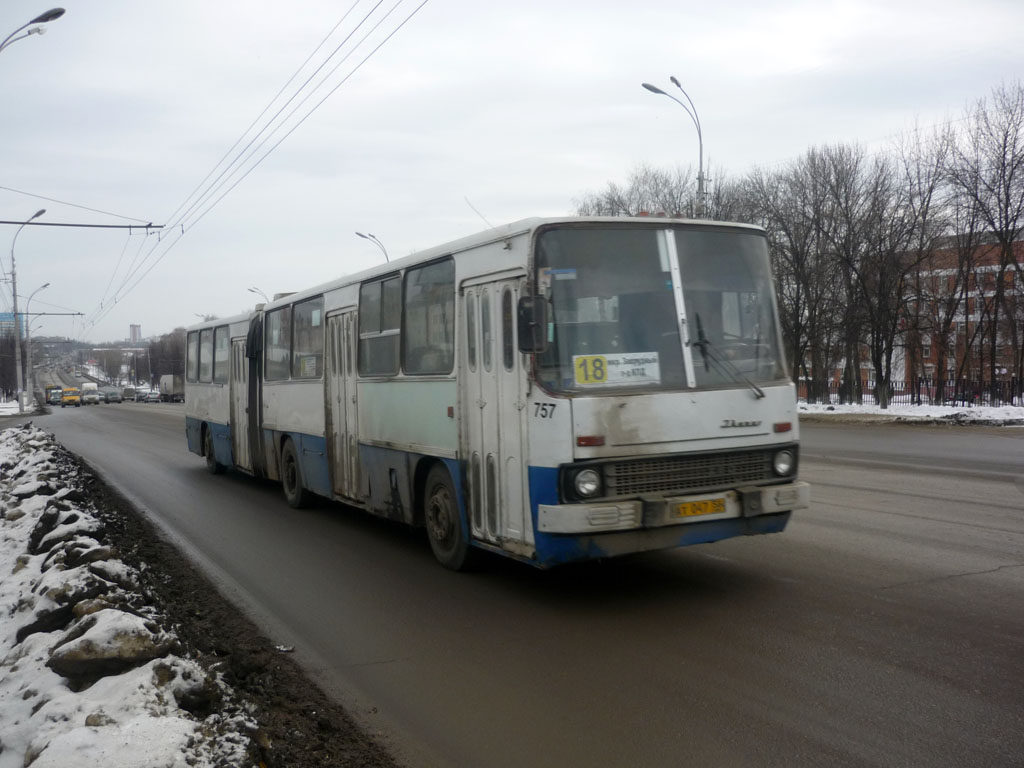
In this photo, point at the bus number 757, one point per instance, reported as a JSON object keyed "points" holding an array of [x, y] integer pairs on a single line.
{"points": [[544, 410]]}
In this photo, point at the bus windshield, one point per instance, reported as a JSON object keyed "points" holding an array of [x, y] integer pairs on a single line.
{"points": [[649, 308]]}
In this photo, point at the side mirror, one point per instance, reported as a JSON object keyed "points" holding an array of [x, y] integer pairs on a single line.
{"points": [[532, 317]]}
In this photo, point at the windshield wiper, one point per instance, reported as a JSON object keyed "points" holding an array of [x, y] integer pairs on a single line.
{"points": [[702, 343], [722, 365]]}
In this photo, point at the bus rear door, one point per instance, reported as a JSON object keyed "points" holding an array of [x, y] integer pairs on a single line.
{"points": [[342, 415]]}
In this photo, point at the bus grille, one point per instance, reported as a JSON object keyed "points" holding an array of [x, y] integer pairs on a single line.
{"points": [[676, 474]]}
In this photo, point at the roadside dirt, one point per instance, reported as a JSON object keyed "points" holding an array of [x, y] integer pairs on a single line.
{"points": [[299, 726]]}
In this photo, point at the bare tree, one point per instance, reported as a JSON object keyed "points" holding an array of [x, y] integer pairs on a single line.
{"points": [[922, 160], [167, 354], [647, 191], [789, 205], [7, 367], [110, 361]]}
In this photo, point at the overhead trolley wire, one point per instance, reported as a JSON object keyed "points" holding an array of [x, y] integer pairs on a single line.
{"points": [[74, 205], [265, 110], [136, 265], [222, 181], [213, 186], [178, 228]]}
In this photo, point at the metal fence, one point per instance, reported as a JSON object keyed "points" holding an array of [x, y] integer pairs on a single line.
{"points": [[925, 391]]}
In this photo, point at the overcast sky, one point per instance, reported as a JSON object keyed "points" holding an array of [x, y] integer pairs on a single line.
{"points": [[125, 107]]}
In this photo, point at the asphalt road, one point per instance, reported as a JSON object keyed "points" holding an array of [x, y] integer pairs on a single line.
{"points": [[883, 628]]}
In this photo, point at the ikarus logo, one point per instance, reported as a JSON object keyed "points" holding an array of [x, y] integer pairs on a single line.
{"points": [[734, 424]]}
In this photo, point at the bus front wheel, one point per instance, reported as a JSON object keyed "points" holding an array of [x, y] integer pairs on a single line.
{"points": [[291, 478], [448, 537]]}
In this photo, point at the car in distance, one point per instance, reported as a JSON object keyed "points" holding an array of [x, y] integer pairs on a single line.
{"points": [[55, 396], [71, 396], [140, 395], [153, 396], [111, 396], [128, 394]]}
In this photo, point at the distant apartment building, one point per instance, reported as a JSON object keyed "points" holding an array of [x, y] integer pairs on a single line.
{"points": [[7, 323], [135, 335], [948, 330]]}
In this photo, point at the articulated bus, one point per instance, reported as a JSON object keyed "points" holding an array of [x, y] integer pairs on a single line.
{"points": [[553, 390]]}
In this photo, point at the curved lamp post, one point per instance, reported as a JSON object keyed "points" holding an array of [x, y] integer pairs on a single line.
{"points": [[373, 239], [30, 377], [692, 112], [258, 292], [17, 324], [51, 15]]}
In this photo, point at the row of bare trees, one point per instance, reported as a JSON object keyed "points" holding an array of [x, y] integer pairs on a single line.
{"points": [[878, 256], [164, 354]]}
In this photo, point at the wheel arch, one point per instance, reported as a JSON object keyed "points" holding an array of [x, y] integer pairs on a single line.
{"points": [[419, 486]]}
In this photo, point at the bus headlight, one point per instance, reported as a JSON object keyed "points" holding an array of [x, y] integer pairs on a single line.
{"points": [[783, 463], [587, 483]]}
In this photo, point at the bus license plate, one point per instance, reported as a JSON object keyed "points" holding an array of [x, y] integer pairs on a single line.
{"points": [[702, 507]]}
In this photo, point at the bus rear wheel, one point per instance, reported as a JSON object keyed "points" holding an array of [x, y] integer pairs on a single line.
{"points": [[291, 478], [443, 521], [212, 465]]}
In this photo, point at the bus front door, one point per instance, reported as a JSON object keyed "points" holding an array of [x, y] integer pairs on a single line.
{"points": [[494, 402], [342, 416]]}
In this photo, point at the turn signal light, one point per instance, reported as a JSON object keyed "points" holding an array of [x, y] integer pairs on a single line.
{"points": [[783, 426], [589, 441]]}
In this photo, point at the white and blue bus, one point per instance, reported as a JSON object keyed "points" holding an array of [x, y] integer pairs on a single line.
{"points": [[553, 390]]}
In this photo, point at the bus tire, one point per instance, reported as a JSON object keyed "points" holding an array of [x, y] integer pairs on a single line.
{"points": [[443, 521], [291, 477], [212, 466]]}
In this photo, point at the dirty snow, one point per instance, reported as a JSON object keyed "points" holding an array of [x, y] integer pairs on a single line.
{"points": [[65, 602], [1002, 415]]}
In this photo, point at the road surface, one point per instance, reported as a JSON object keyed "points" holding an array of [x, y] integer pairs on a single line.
{"points": [[884, 627]]}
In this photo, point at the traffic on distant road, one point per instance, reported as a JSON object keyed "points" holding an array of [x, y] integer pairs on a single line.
{"points": [[77, 388]]}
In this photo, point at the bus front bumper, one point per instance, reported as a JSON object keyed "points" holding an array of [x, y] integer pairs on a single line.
{"points": [[677, 510]]}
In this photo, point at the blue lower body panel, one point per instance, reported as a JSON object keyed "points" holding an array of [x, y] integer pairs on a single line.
{"points": [[220, 435]]}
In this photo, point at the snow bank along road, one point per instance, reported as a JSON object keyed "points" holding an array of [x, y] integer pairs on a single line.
{"points": [[92, 673], [88, 674]]}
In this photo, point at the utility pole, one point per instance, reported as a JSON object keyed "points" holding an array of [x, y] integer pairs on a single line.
{"points": [[19, 384]]}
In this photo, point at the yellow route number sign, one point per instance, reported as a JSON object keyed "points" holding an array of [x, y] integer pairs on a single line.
{"points": [[616, 370]]}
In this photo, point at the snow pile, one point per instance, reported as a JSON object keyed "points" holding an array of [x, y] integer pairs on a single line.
{"points": [[88, 673], [996, 415]]}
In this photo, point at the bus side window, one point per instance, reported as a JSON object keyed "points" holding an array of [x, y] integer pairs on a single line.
{"points": [[308, 339], [380, 314], [471, 331], [277, 347], [428, 333], [508, 345], [487, 338]]}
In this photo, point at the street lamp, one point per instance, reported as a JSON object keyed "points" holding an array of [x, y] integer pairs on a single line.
{"points": [[17, 325], [373, 239], [51, 15], [30, 378], [260, 293], [692, 112]]}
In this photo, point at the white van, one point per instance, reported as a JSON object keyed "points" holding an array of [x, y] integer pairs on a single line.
{"points": [[90, 393]]}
